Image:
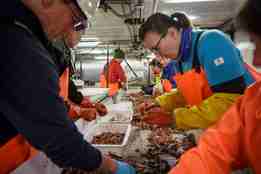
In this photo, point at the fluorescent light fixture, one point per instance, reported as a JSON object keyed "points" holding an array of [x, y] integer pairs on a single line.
{"points": [[186, 1], [100, 51], [96, 51], [151, 56], [89, 39], [192, 17], [93, 51], [101, 57], [90, 4], [83, 51], [88, 44]]}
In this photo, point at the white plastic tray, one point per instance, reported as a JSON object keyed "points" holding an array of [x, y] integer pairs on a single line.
{"points": [[94, 91], [118, 113], [83, 126], [114, 128]]}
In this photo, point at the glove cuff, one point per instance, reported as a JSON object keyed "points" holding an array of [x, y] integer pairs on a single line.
{"points": [[74, 111], [124, 168]]}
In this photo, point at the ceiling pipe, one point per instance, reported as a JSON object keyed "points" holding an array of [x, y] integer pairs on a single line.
{"points": [[155, 6]]}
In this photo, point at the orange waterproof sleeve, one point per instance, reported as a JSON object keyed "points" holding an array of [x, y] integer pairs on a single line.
{"points": [[74, 111], [232, 143], [217, 150]]}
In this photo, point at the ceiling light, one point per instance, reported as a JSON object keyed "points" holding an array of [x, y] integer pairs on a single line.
{"points": [[151, 56], [101, 57], [192, 17], [100, 51], [186, 1], [83, 51], [86, 39], [88, 44]]}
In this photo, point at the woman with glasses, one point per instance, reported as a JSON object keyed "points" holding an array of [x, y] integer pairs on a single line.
{"points": [[203, 73], [234, 142]]}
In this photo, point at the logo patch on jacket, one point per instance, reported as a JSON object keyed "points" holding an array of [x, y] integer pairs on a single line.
{"points": [[219, 61]]}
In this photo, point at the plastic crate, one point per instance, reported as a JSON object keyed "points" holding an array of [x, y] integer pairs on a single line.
{"points": [[83, 126], [114, 128], [118, 113], [94, 91]]}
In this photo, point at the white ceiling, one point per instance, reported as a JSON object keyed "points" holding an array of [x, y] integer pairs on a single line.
{"points": [[107, 27], [209, 13]]}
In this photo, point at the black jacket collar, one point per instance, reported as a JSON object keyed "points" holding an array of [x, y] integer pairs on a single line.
{"points": [[19, 12]]}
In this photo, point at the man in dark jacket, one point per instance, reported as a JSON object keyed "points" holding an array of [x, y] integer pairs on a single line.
{"points": [[30, 101]]}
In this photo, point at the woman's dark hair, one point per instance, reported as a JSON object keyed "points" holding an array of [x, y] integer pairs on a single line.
{"points": [[182, 20], [249, 17], [160, 23]]}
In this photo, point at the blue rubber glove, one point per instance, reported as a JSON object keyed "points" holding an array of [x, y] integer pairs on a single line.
{"points": [[124, 168]]}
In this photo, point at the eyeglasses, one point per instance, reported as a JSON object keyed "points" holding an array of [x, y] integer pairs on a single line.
{"points": [[156, 48], [79, 17]]}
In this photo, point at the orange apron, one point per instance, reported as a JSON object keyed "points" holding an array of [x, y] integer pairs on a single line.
{"points": [[74, 110], [13, 153], [64, 84], [113, 87], [193, 84]]}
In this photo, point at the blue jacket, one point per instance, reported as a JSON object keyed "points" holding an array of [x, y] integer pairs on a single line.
{"points": [[169, 72], [220, 59]]}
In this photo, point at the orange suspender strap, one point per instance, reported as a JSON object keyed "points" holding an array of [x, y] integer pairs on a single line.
{"points": [[64, 84]]}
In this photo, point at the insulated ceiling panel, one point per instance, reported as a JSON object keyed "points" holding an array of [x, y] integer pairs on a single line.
{"points": [[205, 13], [107, 27]]}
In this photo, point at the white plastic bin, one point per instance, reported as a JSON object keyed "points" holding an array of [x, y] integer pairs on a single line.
{"points": [[113, 128], [83, 126], [118, 113], [94, 91]]}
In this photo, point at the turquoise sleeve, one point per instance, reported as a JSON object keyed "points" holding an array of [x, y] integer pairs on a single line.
{"points": [[219, 57]]}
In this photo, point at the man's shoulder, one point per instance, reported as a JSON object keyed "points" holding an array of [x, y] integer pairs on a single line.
{"points": [[212, 38], [20, 44], [16, 38]]}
